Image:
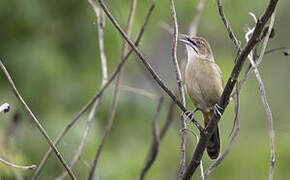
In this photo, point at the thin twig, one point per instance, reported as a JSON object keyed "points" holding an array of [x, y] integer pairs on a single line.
{"points": [[151, 158], [179, 85], [139, 91], [166, 27], [264, 99], [155, 142], [169, 119], [202, 177], [35, 120], [145, 62], [196, 17], [180, 88], [116, 93], [17, 166], [263, 50], [98, 94], [5, 108], [194, 23], [228, 26], [284, 49], [241, 57], [100, 24]]}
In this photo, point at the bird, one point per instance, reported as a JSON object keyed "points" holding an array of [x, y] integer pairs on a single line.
{"points": [[204, 84]]}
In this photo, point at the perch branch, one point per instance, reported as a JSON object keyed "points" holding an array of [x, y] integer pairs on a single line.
{"points": [[228, 89], [214, 165]]}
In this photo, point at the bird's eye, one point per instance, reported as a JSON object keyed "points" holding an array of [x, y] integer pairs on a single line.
{"points": [[198, 42]]}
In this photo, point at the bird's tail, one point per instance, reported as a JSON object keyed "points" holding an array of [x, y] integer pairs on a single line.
{"points": [[213, 147]]}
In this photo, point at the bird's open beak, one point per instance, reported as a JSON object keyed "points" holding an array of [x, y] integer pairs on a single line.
{"points": [[184, 38], [188, 41]]}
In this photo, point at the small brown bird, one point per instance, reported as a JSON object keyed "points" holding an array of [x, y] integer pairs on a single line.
{"points": [[204, 84]]}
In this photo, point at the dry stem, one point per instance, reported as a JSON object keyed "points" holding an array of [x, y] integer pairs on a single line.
{"points": [[36, 122]]}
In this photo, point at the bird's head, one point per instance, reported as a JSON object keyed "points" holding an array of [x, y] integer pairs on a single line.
{"points": [[197, 47]]}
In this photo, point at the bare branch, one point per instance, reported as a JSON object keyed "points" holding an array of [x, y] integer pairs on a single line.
{"points": [[17, 166], [5, 108], [166, 27], [179, 85], [145, 62], [98, 94], [194, 23], [139, 91], [116, 92], [100, 23], [228, 26], [36, 122], [228, 89], [155, 144], [169, 119], [196, 17], [263, 96], [285, 50], [154, 148]]}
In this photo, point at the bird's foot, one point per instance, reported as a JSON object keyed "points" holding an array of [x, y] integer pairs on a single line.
{"points": [[190, 115], [217, 110]]}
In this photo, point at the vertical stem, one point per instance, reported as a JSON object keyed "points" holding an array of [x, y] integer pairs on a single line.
{"points": [[179, 85], [116, 91]]}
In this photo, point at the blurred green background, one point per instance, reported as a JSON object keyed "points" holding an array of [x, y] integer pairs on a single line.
{"points": [[51, 50]]}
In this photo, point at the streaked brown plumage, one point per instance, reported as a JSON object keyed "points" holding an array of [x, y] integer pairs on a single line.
{"points": [[204, 84]]}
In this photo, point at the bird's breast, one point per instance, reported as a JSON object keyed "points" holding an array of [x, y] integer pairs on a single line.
{"points": [[204, 84]]}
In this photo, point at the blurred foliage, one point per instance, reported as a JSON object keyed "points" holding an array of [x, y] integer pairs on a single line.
{"points": [[51, 50]]}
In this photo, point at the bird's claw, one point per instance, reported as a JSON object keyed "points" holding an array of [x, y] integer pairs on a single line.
{"points": [[190, 115], [217, 110]]}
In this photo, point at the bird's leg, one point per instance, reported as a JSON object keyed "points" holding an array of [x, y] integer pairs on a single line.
{"points": [[190, 115], [217, 110]]}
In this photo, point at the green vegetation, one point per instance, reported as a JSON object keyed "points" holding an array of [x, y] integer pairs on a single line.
{"points": [[51, 50]]}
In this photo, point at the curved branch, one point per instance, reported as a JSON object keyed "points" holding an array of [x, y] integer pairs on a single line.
{"points": [[17, 166]]}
